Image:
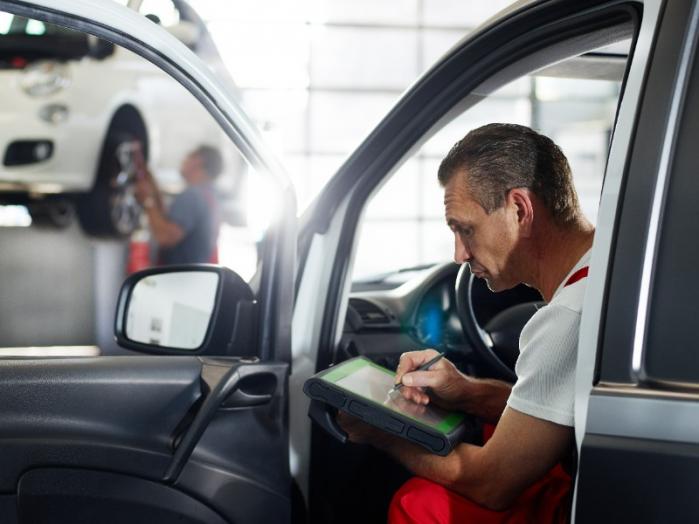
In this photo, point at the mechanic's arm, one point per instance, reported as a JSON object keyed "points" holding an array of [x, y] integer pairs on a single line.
{"points": [[521, 451], [166, 232]]}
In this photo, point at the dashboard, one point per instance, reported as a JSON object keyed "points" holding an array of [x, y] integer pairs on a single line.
{"points": [[419, 313]]}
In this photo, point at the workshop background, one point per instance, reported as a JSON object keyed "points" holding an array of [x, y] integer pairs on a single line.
{"points": [[316, 76]]}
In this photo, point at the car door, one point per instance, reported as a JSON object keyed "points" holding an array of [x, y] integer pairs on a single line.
{"points": [[158, 438], [525, 38], [638, 428]]}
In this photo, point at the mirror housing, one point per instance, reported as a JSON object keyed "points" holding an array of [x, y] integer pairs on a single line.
{"points": [[158, 311]]}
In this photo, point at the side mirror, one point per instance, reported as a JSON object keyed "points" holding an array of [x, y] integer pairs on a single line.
{"points": [[191, 309]]}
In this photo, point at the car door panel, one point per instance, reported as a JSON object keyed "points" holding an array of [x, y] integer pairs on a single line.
{"points": [[637, 480], [115, 413], [240, 464], [50, 495], [73, 424]]}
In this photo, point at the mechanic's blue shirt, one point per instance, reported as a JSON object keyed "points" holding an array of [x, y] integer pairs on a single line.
{"points": [[195, 210]]}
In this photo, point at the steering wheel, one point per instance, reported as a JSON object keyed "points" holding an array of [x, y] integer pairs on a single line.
{"points": [[497, 343]]}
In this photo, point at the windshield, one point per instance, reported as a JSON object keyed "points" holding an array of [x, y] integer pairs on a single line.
{"points": [[23, 40]]}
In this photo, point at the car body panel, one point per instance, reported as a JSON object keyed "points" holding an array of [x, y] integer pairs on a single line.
{"points": [[639, 448]]}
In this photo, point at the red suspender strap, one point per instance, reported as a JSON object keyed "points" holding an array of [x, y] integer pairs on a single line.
{"points": [[578, 275]]}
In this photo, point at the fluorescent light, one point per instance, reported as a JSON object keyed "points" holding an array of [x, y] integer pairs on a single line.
{"points": [[15, 216], [50, 351]]}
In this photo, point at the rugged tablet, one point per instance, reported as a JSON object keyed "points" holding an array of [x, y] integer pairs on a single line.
{"points": [[361, 388]]}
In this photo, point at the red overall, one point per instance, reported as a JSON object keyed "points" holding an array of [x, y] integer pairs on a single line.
{"points": [[547, 501]]}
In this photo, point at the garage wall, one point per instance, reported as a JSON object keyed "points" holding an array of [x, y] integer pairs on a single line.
{"points": [[48, 295]]}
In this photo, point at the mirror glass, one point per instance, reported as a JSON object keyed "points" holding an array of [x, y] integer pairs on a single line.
{"points": [[172, 309]]}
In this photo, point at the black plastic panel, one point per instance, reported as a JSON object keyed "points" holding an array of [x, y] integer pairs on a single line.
{"points": [[242, 500], [8, 509], [241, 464], [639, 481], [114, 413], [87, 497]]}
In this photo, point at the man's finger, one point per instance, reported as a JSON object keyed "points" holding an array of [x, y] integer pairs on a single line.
{"points": [[424, 379], [412, 360], [415, 395]]}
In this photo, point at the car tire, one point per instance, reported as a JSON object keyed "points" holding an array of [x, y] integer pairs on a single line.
{"points": [[110, 209]]}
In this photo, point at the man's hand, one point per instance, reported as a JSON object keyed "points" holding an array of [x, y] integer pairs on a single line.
{"points": [[144, 190], [450, 389], [447, 385]]}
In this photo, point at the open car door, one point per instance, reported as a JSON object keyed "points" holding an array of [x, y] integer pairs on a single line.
{"points": [[196, 434]]}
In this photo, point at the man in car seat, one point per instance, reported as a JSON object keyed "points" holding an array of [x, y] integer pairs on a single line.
{"points": [[510, 201], [186, 232]]}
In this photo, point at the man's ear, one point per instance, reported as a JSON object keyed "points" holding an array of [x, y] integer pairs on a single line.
{"points": [[521, 200]]}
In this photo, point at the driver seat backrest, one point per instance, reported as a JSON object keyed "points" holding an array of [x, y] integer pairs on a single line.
{"points": [[505, 328]]}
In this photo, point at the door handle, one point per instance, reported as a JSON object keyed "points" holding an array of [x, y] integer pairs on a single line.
{"points": [[242, 398], [239, 374]]}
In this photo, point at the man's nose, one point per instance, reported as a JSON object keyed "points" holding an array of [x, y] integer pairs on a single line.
{"points": [[461, 252]]}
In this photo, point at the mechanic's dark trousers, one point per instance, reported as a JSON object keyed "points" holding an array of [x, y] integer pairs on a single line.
{"points": [[421, 501]]}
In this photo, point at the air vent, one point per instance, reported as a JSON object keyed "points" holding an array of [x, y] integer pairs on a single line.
{"points": [[370, 313]]}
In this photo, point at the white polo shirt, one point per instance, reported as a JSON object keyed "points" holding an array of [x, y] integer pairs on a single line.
{"points": [[545, 386]]}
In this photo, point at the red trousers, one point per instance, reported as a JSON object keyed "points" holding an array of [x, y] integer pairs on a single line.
{"points": [[421, 501]]}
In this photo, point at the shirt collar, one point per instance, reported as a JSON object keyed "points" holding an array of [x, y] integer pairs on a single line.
{"points": [[584, 261]]}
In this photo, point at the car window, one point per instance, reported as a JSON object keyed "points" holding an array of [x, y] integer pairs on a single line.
{"points": [[71, 118], [403, 224]]}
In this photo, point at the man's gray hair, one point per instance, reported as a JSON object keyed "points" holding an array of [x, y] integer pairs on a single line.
{"points": [[496, 158]]}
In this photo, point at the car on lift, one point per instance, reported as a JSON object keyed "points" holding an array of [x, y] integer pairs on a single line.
{"points": [[72, 105], [214, 429]]}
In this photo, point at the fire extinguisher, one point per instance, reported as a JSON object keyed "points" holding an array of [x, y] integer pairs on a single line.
{"points": [[139, 247]]}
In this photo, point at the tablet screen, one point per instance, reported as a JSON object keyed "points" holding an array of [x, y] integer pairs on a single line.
{"points": [[373, 382]]}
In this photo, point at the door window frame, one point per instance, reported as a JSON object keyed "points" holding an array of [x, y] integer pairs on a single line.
{"points": [[439, 107]]}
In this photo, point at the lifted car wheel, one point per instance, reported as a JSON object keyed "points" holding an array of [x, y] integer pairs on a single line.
{"points": [[110, 209]]}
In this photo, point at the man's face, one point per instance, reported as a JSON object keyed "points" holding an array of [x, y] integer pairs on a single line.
{"points": [[486, 241], [191, 167]]}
